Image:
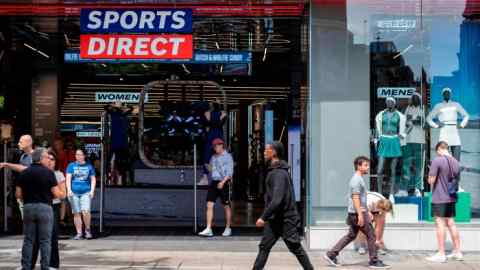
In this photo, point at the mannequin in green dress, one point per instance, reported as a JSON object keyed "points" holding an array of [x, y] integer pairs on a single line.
{"points": [[390, 124]]}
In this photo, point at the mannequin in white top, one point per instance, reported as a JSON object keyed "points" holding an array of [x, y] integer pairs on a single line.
{"points": [[414, 150], [447, 113]]}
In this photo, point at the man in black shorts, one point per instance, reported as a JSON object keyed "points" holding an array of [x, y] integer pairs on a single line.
{"points": [[443, 168], [221, 172]]}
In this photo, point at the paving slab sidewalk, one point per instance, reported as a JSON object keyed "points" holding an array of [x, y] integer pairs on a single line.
{"points": [[194, 253]]}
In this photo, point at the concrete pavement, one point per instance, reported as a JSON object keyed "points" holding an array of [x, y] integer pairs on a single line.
{"points": [[194, 253]]}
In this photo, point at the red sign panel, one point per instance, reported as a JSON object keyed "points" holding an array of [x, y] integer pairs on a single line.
{"points": [[136, 46]]}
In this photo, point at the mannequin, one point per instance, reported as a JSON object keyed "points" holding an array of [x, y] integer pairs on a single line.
{"points": [[413, 151], [390, 124], [215, 119], [193, 122], [119, 139], [447, 114], [174, 123]]}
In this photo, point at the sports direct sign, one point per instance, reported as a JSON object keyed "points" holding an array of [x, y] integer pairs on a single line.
{"points": [[136, 20], [139, 45], [136, 46]]}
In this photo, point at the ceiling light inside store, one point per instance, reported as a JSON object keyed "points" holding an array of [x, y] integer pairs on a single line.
{"points": [[67, 40], [186, 69], [37, 51]]}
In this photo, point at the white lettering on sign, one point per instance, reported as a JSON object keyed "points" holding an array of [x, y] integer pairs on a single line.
{"points": [[141, 19], [178, 18], [91, 134], [397, 24], [395, 92], [136, 46], [106, 97], [95, 21]]}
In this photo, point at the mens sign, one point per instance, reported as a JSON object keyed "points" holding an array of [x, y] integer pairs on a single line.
{"points": [[395, 92], [136, 46], [107, 97], [136, 20]]}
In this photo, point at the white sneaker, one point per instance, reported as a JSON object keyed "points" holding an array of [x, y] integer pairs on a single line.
{"points": [[227, 232], [417, 193], [362, 251], [437, 258], [207, 232], [88, 235], [458, 256], [391, 199], [203, 181]]}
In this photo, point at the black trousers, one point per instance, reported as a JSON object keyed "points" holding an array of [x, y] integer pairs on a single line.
{"points": [[55, 255], [287, 229]]}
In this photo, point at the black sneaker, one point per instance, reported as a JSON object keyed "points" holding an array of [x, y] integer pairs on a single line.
{"points": [[331, 261], [378, 265]]}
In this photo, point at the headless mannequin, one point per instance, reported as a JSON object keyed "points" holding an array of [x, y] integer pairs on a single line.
{"points": [[119, 140], [390, 127], [447, 113], [413, 151]]}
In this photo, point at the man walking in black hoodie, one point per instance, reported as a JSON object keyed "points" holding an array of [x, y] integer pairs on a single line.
{"points": [[280, 217]]}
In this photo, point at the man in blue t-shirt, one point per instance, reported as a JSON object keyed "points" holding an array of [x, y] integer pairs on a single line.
{"points": [[81, 189]]}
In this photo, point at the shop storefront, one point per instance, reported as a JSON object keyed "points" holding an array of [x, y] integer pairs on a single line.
{"points": [[225, 70], [413, 59], [319, 75]]}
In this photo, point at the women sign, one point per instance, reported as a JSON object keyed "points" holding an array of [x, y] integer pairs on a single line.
{"points": [[115, 45]]}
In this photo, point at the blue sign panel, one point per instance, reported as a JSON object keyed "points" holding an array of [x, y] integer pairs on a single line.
{"points": [[136, 20], [199, 57], [79, 127]]}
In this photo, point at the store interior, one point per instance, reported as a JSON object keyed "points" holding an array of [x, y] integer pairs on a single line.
{"points": [[248, 104]]}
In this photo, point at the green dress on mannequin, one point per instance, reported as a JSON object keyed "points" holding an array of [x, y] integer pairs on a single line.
{"points": [[389, 145]]}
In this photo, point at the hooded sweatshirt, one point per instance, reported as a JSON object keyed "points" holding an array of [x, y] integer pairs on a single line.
{"points": [[279, 198]]}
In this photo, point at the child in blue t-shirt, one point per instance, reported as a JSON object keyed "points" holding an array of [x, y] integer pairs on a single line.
{"points": [[81, 189]]}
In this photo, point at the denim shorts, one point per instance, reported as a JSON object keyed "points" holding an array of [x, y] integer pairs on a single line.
{"points": [[80, 203]]}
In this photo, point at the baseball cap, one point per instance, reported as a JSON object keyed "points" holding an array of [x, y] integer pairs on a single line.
{"points": [[217, 141]]}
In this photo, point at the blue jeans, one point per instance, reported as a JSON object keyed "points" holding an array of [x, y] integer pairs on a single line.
{"points": [[80, 203], [37, 224]]}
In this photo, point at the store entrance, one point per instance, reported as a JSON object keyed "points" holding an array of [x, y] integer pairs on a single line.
{"points": [[150, 180], [244, 85]]}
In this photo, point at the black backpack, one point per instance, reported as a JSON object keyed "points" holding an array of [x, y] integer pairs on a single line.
{"points": [[453, 182]]}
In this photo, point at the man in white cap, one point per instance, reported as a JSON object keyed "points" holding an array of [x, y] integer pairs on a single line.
{"points": [[447, 113]]}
